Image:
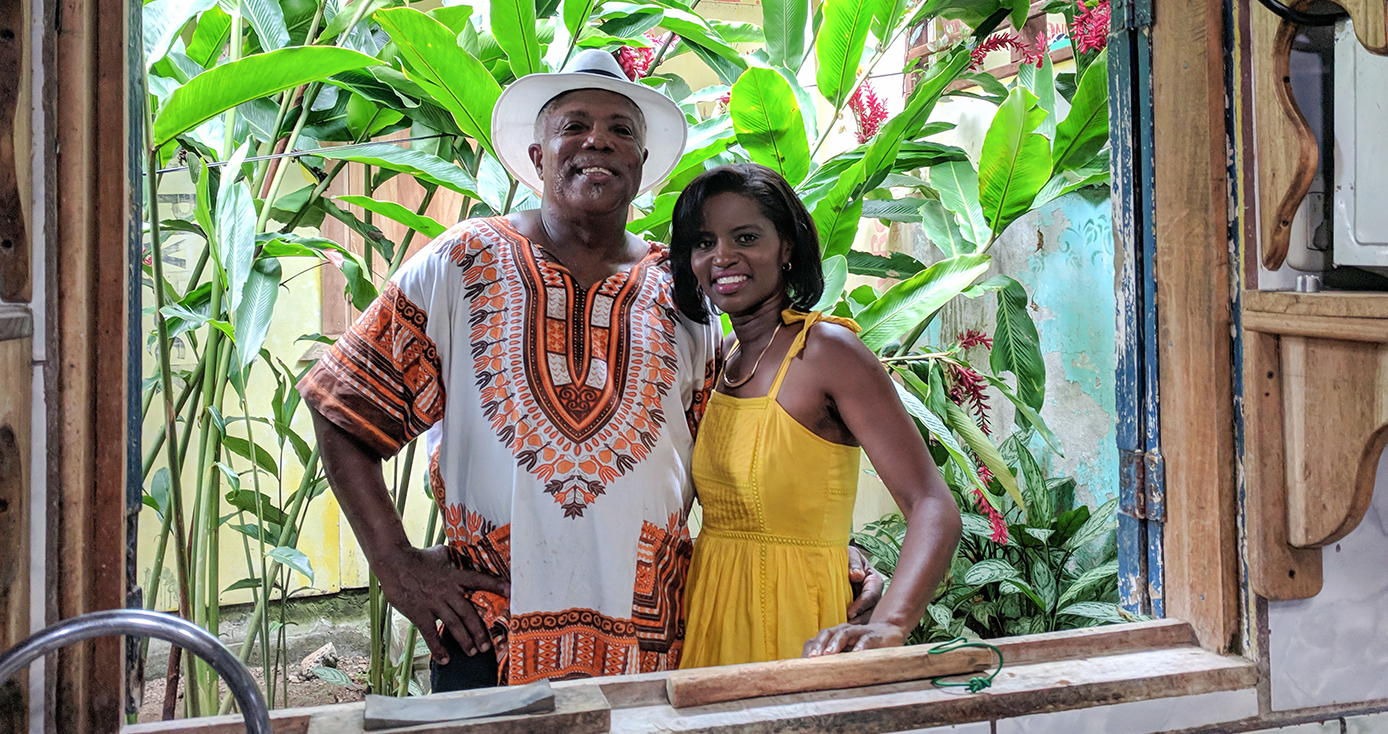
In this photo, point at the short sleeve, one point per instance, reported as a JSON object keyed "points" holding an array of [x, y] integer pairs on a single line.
{"points": [[382, 381], [707, 364]]}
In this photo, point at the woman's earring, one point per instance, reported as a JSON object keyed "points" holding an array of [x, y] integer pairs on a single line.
{"points": [[786, 267]]}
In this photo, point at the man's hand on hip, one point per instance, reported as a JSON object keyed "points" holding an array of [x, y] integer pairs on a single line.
{"points": [[428, 589], [423, 584]]}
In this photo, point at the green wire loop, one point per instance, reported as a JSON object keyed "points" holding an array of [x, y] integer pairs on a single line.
{"points": [[976, 683]]}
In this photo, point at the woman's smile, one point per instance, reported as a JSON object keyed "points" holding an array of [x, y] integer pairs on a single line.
{"points": [[728, 284]]}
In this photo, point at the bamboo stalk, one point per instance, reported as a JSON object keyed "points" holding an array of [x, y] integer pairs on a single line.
{"points": [[510, 197], [174, 513], [300, 503], [399, 258], [158, 444], [233, 54], [196, 275], [402, 495], [214, 522], [310, 95], [260, 538], [164, 532], [406, 671]]}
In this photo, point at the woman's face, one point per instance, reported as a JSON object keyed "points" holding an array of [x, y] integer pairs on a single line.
{"points": [[738, 254]]}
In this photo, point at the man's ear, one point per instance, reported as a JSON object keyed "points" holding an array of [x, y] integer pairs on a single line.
{"points": [[536, 155]]}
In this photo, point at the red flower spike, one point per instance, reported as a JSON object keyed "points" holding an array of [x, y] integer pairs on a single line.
{"points": [[967, 386], [1036, 55], [636, 62], [995, 518], [970, 338], [869, 110], [995, 42], [1089, 32]]}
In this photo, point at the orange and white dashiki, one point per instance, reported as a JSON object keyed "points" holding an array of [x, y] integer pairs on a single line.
{"points": [[559, 424]]}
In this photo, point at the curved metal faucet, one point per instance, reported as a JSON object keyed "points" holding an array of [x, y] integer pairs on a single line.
{"points": [[141, 623]]}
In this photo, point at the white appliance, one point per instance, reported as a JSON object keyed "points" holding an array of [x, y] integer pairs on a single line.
{"points": [[1359, 229]]}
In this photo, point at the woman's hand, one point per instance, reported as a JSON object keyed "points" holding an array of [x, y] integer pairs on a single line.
{"points": [[867, 586], [853, 637]]}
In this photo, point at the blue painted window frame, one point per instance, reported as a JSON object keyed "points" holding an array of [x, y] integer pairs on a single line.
{"points": [[1141, 491]]}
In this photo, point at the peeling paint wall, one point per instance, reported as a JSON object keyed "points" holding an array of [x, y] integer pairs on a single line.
{"points": [[1063, 255], [1068, 271]]}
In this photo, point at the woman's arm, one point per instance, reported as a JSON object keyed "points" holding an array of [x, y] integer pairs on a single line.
{"points": [[868, 405]]}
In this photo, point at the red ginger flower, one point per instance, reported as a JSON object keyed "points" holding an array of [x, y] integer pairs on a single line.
{"points": [[1033, 54], [636, 62], [995, 42], [967, 386], [869, 110], [1036, 54], [970, 338], [1089, 32], [995, 518]]}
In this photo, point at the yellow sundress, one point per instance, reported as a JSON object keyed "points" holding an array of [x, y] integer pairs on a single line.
{"points": [[770, 566]]}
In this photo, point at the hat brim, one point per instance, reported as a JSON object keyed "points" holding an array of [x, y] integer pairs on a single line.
{"points": [[513, 123]]}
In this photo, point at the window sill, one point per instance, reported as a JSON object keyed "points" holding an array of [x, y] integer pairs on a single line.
{"points": [[1046, 673]]}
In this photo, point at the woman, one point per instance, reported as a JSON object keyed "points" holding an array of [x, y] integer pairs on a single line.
{"points": [[776, 460]]}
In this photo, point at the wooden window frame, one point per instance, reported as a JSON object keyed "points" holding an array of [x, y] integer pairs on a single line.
{"points": [[88, 303]]}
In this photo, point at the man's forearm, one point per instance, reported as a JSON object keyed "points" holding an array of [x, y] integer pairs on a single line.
{"points": [[354, 473]]}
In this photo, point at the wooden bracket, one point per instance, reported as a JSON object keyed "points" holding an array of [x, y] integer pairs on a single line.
{"points": [[14, 237], [1316, 412], [1286, 148]]}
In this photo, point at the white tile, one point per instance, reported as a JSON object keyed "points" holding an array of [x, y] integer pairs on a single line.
{"points": [[1367, 724], [1320, 727], [1140, 717], [977, 727], [1333, 647]]}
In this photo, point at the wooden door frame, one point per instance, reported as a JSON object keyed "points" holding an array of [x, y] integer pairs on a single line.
{"points": [[92, 218], [87, 50]]}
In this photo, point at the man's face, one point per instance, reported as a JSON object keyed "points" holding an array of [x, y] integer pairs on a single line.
{"points": [[590, 146]]}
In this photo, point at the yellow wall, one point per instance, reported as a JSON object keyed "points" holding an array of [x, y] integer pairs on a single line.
{"points": [[325, 537]]}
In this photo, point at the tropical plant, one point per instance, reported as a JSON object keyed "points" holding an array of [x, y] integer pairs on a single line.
{"points": [[1053, 567], [244, 90]]}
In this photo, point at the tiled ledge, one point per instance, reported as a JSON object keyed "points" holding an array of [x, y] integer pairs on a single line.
{"points": [[1057, 672], [1023, 690]]}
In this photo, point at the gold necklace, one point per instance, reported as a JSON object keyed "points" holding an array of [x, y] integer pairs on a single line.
{"points": [[753, 371]]}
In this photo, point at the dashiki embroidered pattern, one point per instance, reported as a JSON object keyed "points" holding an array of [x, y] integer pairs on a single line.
{"points": [[578, 397], [550, 413]]}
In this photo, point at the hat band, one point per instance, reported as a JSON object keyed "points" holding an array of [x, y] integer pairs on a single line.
{"points": [[602, 72]]}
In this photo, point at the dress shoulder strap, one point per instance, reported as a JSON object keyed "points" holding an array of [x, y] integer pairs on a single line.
{"points": [[790, 316]]}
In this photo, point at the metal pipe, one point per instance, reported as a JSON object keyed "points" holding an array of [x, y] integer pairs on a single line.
{"points": [[142, 623]]}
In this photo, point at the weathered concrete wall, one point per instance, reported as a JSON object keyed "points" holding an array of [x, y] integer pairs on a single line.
{"points": [[1063, 255]]}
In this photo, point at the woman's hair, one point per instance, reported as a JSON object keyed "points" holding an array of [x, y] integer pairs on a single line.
{"points": [[777, 201]]}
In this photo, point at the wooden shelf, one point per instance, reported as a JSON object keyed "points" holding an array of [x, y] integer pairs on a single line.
{"points": [[1325, 303], [1316, 413], [1057, 671]]}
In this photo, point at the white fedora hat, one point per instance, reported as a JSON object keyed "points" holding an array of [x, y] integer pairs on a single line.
{"points": [[513, 118]]}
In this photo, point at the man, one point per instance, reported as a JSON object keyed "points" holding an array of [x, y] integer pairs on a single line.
{"points": [[561, 391]]}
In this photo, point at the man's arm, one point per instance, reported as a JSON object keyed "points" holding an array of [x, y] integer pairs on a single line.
{"points": [[423, 585]]}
